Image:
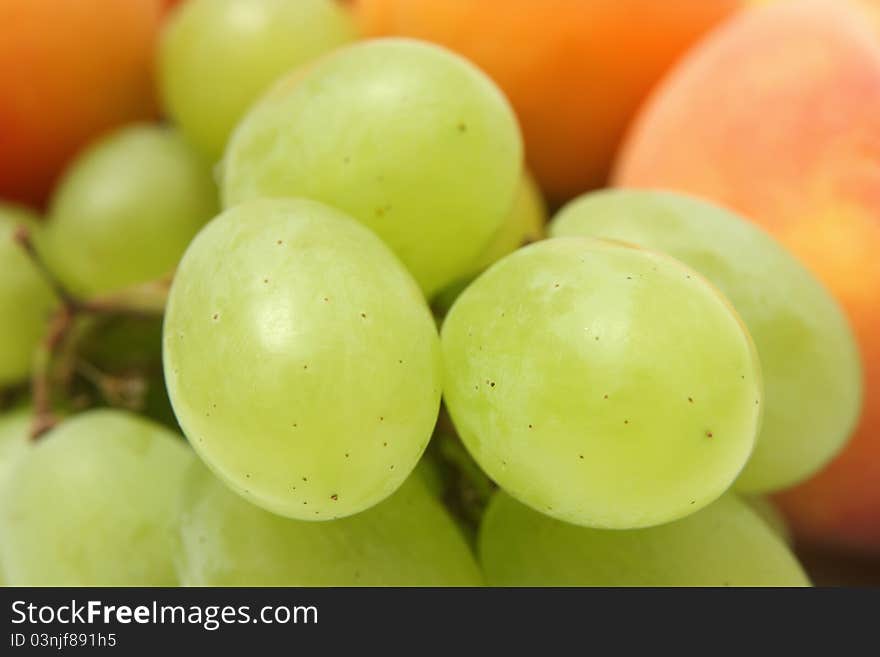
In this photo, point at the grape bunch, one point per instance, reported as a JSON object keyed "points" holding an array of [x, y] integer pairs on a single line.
{"points": [[317, 330]]}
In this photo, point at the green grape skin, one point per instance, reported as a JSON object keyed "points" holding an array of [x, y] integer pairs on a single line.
{"points": [[14, 439], [408, 138], [603, 384], [301, 359], [218, 56], [26, 299], [94, 503], [432, 475], [770, 513], [724, 544], [407, 540], [809, 358], [524, 224], [125, 211], [14, 444]]}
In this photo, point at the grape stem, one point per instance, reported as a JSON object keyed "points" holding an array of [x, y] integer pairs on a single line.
{"points": [[123, 391], [41, 379], [146, 300], [22, 237]]}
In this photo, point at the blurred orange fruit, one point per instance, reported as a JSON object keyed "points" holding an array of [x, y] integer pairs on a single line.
{"points": [[575, 70], [69, 70]]}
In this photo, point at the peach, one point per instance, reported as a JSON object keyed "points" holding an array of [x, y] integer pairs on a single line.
{"points": [[777, 115], [575, 70]]}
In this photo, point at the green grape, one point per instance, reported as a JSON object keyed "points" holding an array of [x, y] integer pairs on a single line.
{"points": [[600, 383], [126, 210], [301, 359], [770, 514], [413, 141], [14, 444], [432, 475], [14, 439], [809, 359], [218, 56], [724, 544], [524, 224], [94, 503], [407, 540], [26, 300]]}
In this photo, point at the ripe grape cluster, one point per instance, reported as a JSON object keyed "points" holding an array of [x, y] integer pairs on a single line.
{"points": [[627, 384]]}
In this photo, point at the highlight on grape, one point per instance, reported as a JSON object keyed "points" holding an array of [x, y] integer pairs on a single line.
{"points": [[342, 296]]}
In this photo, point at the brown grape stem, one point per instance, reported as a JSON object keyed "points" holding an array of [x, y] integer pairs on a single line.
{"points": [[146, 300], [41, 379], [22, 237], [122, 391]]}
